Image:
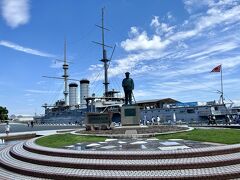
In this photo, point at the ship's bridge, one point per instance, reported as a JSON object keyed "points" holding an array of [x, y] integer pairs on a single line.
{"points": [[156, 103]]}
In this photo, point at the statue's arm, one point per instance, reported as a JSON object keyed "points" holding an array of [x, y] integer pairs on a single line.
{"points": [[132, 84]]}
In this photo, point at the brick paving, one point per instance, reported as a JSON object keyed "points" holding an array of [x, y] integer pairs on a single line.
{"points": [[193, 152], [9, 175], [20, 153], [25, 159]]}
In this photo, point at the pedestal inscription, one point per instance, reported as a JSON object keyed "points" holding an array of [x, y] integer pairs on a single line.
{"points": [[130, 115], [98, 121]]}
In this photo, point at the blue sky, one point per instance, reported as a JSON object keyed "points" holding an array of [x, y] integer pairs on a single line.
{"points": [[168, 46]]}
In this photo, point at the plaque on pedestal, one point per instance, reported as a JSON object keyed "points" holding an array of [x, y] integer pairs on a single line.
{"points": [[130, 115], [98, 121]]}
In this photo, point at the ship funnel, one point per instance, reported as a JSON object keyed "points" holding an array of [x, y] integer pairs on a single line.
{"points": [[84, 91], [73, 94]]}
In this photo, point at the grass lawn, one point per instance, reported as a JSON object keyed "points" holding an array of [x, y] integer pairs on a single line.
{"points": [[224, 136], [60, 140]]}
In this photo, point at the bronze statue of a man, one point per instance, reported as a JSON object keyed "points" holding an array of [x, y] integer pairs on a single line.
{"points": [[128, 86]]}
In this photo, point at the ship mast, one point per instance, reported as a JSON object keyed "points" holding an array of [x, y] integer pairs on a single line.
{"points": [[104, 59], [65, 75]]}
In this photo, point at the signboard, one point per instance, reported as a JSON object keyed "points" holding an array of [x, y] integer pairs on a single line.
{"points": [[98, 118], [187, 104], [130, 115]]}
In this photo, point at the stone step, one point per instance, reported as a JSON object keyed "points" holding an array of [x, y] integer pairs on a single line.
{"points": [[25, 168], [18, 152], [173, 154], [8, 175]]}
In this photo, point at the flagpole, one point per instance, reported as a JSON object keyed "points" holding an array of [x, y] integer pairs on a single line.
{"points": [[222, 85]]}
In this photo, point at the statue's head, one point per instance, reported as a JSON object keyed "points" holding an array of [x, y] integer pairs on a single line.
{"points": [[127, 74]]}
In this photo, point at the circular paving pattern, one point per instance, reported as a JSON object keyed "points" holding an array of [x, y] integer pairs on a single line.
{"points": [[139, 144], [26, 160]]}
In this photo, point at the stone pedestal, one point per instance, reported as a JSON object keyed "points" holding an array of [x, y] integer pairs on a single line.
{"points": [[130, 115]]}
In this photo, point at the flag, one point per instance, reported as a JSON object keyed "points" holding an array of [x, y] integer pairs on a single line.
{"points": [[217, 69]]}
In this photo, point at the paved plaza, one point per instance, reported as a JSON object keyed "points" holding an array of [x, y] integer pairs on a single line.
{"points": [[117, 158], [26, 160]]}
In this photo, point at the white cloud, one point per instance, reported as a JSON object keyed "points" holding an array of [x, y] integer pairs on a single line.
{"points": [[188, 55], [182, 45], [236, 102], [41, 82], [15, 12], [28, 94], [143, 42], [41, 91], [213, 18], [219, 48], [25, 49], [161, 28], [218, 16], [155, 21], [217, 3], [134, 63], [95, 67], [139, 93], [193, 6], [169, 15], [133, 31], [205, 66]]}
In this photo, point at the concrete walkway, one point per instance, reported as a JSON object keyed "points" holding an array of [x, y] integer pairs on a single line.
{"points": [[38, 133]]}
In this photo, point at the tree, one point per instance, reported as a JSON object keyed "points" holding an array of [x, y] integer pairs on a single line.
{"points": [[3, 113]]}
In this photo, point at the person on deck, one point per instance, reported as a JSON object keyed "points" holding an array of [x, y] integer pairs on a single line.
{"points": [[145, 120], [32, 124], [158, 120], [153, 120], [209, 119], [7, 128]]}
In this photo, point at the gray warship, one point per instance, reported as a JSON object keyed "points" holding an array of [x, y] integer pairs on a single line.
{"points": [[68, 110]]}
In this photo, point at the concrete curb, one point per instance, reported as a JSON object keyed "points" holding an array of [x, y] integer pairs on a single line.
{"points": [[133, 135], [18, 136]]}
